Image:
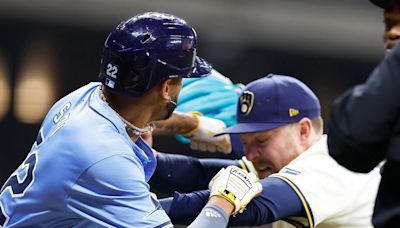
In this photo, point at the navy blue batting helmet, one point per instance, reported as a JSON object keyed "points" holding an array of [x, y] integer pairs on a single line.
{"points": [[147, 49]]}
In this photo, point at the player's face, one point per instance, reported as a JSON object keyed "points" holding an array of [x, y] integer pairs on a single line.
{"points": [[271, 150], [392, 25]]}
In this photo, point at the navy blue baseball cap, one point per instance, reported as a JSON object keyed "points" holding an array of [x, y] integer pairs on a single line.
{"points": [[271, 102]]}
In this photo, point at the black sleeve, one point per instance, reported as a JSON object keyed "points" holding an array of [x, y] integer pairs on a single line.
{"points": [[363, 119], [184, 173]]}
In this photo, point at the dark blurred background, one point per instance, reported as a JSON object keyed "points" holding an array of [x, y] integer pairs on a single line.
{"points": [[49, 48]]}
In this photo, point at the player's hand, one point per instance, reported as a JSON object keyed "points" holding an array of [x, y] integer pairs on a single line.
{"points": [[248, 166], [223, 145], [236, 186], [202, 137]]}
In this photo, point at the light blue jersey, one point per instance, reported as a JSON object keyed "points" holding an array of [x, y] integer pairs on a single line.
{"points": [[83, 171]]}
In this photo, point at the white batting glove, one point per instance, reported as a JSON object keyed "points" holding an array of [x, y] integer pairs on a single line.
{"points": [[235, 185], [248, 166], [202, 137]]}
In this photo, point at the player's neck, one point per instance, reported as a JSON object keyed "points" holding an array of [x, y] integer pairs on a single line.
{"points": [[313, 139], [136, 113]]}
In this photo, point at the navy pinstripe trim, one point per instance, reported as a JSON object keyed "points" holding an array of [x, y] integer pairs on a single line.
{"points": [[309, 216]]}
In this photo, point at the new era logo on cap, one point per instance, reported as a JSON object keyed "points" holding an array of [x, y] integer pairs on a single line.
{"points": [[273, 101], [293, 112]]}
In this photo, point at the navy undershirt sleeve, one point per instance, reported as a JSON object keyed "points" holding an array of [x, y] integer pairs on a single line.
{"points": [[184, 173], [277, 201]]}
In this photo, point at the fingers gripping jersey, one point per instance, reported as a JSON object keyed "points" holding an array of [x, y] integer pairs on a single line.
{"points": [[83, 170]]}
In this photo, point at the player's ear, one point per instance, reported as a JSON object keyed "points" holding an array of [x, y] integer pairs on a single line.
{"points": [[169, 86], [305, 129], [165, 88]]}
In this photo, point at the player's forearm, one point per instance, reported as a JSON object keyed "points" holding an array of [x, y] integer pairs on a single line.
{"points": [[179, 123], [277, 201], [211, 216], [222, 203], [183, 208]]}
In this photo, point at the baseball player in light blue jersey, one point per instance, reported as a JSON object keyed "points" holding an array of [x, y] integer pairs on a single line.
{"points": [[89, 165]]}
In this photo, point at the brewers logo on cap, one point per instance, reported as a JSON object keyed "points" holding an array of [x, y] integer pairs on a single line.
{"points": [[246, 102]]}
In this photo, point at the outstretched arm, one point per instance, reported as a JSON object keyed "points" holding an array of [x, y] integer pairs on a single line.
{"points": [[231, 190], [277, 201], [198, 128], [178, 124], [183, 173]]}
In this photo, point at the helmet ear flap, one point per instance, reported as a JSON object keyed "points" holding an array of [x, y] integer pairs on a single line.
{"points": [[112, 65], [140, 60], [137, 77]]}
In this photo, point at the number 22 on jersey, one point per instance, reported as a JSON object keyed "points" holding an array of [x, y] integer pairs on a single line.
{"points": [[21, 179]]}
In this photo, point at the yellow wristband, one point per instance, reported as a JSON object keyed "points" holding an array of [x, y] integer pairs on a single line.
{"points": [[228, 196]]}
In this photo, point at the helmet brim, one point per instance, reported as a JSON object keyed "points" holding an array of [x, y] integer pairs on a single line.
{"points": [[201, 68]]}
